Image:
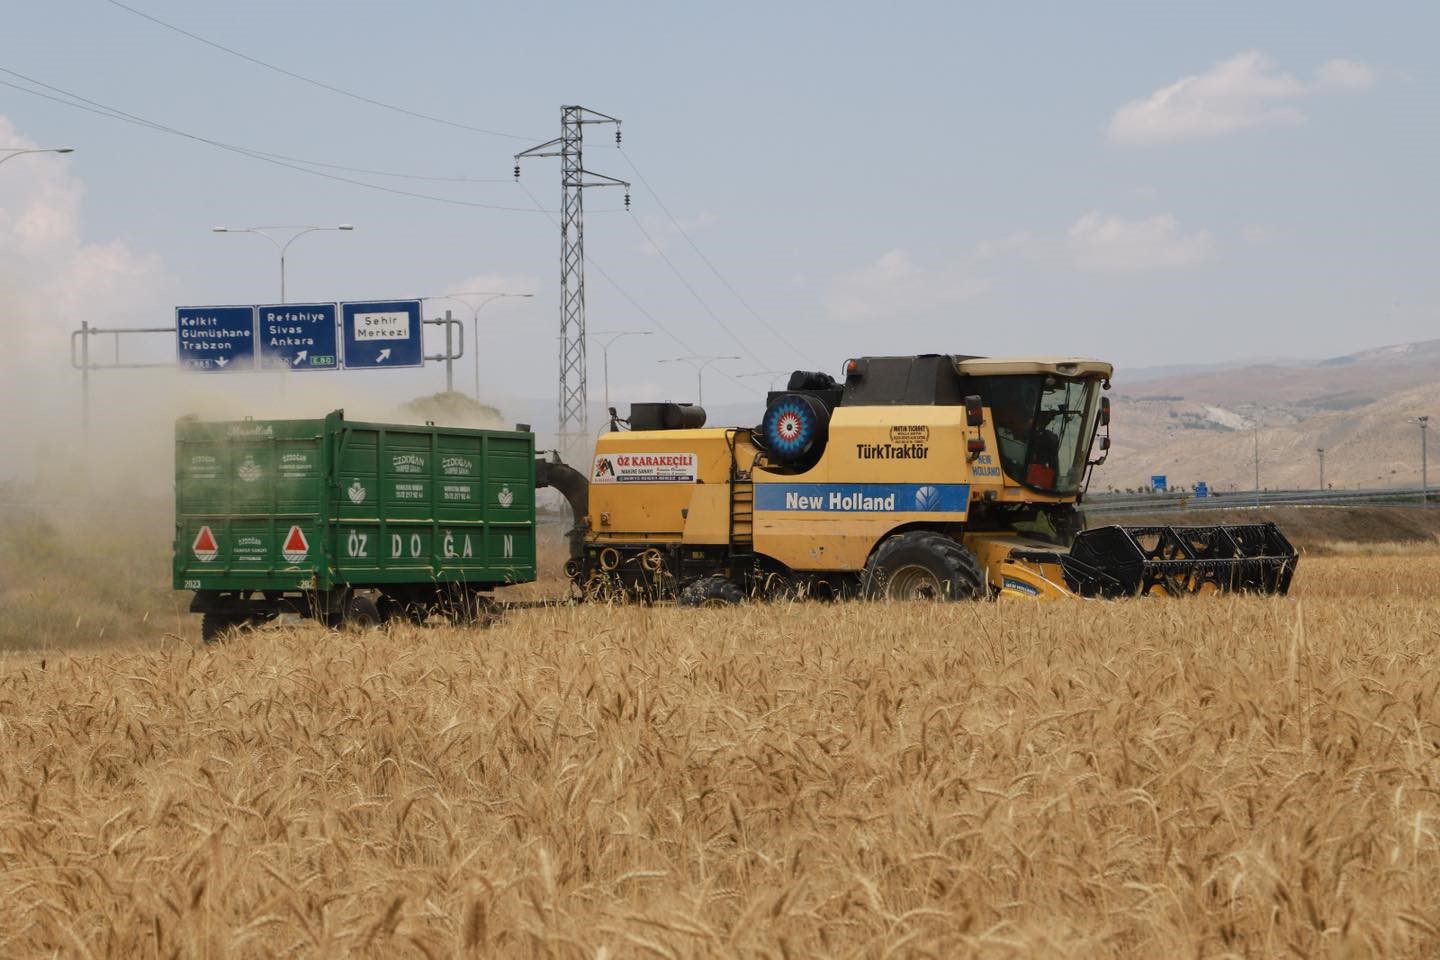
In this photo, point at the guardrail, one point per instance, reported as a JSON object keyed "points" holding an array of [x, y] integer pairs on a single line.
{"points": [[1186, 500]]}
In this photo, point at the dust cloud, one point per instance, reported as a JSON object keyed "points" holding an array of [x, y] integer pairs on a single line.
{"points": [[87, 503]]}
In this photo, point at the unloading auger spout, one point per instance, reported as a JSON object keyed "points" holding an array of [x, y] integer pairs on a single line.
{"points": [[1120, 561]]}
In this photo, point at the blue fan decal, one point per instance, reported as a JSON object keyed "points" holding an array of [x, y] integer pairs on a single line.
{"points": [[789, 427]]}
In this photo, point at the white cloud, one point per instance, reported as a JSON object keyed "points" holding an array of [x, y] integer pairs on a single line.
{"points": [[1258, 235], [51, 277], [1240, 93], [895, 286], [1340, 74], [1110, 244]]}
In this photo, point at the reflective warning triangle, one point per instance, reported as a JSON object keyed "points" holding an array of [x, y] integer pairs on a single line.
{"points": [[296, 547], [205, 547]]}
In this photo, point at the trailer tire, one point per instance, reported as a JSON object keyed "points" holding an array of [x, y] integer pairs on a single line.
{"points": [[923, 565], [716, 591], [473, 609], [361, 613], [216, 627]]}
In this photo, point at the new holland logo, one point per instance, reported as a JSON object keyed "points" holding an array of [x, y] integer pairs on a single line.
{"points": [[505, 497], [205, 547], [356, 492], [927, 498], [249, 470], [296, 547]]}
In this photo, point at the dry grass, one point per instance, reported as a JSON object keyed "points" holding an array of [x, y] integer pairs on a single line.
{"points": [[1158, 778], [71, 579], [1400, 548]]}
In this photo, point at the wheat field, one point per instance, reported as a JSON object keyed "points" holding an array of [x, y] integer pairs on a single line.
{"points": [[1156, 778]]}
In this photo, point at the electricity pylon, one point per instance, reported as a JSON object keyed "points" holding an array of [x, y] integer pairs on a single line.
{"points": [[574, 421]]}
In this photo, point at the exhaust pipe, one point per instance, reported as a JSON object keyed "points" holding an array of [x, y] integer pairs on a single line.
{"points": [[575, 488]]}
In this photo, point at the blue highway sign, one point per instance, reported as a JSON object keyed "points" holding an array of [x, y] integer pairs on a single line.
{"points": [[1202, 489], [215, 338], [382, 334], [1159, 482], [298, 336]]}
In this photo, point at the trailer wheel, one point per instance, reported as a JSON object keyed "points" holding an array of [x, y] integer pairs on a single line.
{"points": [[361, 613], [216, 627], [473, 608], [716, 591], [923, 565]]}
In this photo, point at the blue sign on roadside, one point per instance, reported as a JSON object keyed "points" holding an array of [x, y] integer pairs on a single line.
{"points": [[215, 338], [1159, 483], [1202, 489], [382, 334], [298, 336]]}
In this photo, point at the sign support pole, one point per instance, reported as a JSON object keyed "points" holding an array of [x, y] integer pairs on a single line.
{"points": [[85, 383], [449, 354]]}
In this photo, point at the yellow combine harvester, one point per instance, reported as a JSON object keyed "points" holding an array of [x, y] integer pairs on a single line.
{"points": [[915, 477]]}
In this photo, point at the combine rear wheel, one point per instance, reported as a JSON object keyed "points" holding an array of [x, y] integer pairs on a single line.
{"points": [[714, 591], [923, 565]]}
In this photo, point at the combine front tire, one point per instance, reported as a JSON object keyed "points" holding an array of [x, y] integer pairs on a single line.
{"points": [[923, 565], [714, 591]]}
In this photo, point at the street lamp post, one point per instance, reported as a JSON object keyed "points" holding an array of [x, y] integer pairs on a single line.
{"points": [[475, 318], [1257, 463], [699, 363], [282, 247], [772, 375], [1321, 451], [10, 153], [606, 338], [1424, 423]]}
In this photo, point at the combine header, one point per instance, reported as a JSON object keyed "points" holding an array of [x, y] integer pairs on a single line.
{"points": [[1119, 561], [930, 476]]}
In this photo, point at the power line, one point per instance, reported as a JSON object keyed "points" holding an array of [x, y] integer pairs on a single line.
{"points": [[695, 293], [706, 260], [631, 300], [115, 113], [384, 173], [313, 82]]}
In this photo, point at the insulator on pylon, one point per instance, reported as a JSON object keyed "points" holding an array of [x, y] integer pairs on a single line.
{"points": [[627, 200], [617, 136], [517, 171]]}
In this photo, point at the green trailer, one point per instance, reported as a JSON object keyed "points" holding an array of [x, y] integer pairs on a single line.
{"points": [[349, 522]]}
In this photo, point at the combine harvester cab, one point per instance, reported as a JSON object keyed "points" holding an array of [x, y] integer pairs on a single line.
{"points": [[350, 523], [929, 476]]}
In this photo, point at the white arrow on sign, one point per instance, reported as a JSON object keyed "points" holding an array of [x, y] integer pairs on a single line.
{"points": [[299, 358], [383, 356], [221, 361]]}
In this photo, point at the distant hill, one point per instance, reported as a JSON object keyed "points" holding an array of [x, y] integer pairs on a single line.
{"points": [[1201, 424]]}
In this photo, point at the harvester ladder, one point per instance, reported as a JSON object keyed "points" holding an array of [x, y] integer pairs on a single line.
{"points": [[742, 505]]}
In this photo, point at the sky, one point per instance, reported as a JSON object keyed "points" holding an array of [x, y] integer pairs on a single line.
{"points": [[1148, 183]]}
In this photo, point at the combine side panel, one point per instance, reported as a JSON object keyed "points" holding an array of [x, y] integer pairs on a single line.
{"points": [[1118, 561]]}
